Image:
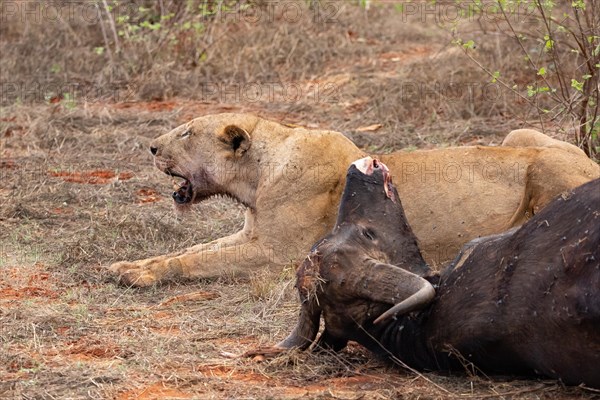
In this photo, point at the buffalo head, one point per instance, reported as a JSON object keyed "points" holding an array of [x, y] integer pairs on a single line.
{"points": [[369, 266]]}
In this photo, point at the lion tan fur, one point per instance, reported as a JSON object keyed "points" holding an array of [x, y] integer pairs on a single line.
{"points": [[291, 180], [533, 138]]}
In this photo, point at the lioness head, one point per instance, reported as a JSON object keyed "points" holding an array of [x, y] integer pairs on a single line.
{"points": [[208, 153]]}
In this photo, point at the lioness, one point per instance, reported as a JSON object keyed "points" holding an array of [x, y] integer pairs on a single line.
{"points": [[291, 180]]}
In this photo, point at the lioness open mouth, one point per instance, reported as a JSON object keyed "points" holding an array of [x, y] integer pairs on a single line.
{"points": [[184, 193]]}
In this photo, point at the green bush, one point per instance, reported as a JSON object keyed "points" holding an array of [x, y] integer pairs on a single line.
{"points": [[559, 56]]}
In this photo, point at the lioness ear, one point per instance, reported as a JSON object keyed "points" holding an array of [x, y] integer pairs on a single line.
{"points": [[237, 138]]}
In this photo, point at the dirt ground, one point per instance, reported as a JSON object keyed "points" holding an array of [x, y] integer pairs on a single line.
{"points": [[78, 191]]}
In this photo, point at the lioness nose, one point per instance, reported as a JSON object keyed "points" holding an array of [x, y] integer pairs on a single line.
{"points": [[153, 150]]}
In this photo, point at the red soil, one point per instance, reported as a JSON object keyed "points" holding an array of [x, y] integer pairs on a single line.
{"points": [[94, 177]]}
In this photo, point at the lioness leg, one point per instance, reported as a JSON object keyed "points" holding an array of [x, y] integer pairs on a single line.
{"points": [[148, 271], [209, 263], [237, 238]]}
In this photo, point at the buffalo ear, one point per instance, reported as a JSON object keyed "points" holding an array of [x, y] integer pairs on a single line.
{"points": [[310, 314], [237, 138], [306, 328]]}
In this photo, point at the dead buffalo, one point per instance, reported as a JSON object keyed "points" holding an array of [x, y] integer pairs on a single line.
{"points": [[526, 302]]}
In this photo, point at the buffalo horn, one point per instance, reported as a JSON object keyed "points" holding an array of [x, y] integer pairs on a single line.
{"points": [[388, 283]]}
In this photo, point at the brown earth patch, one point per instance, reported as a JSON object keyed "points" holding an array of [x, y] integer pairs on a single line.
{"points": [[231, 373], [147, 195], [158, 390], [62, 210], [8, 164], [63, 330], [86, 349], [12, 130], [19, 284], [411, 54], [170, 330], [95, 177], [11, 293], [202, 295]]}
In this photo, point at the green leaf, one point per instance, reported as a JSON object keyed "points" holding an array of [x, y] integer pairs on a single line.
{"points": [[548, 4], [549, 43], [532, 91], [198, 26], [495, 76], [469, 45], [578, 4], [99, 50], [541, 71], [543, 89], [69, 101], [577, 85], [149, 25]]}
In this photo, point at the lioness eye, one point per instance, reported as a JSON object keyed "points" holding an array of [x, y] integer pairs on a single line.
{"points": [[186, 134]]}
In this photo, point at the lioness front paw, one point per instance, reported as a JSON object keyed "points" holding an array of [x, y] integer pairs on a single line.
{"points": [[133, 274], [147, 272]]}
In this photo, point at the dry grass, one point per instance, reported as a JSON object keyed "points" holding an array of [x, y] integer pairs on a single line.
{"points": [[78, 192], [336, 66]]}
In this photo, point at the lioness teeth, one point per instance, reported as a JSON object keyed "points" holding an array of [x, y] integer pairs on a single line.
{"points": [[179, 185]]}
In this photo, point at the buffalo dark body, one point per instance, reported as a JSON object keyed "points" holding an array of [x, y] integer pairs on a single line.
{"points": [[526, 302]]}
